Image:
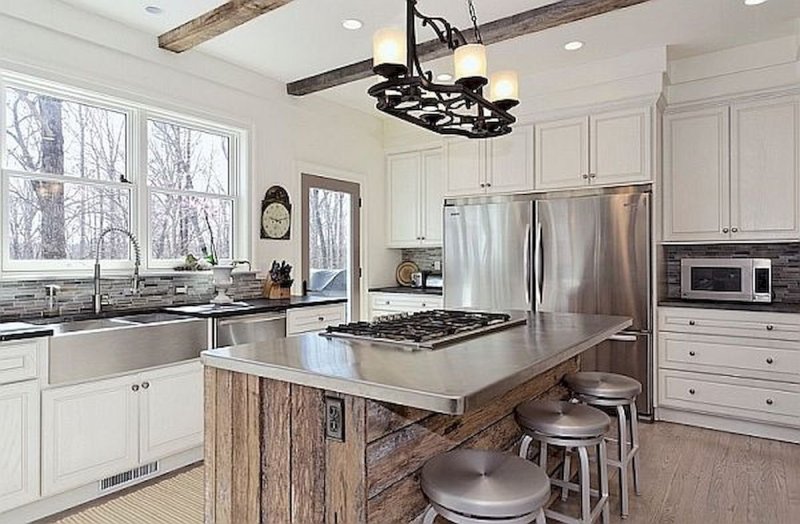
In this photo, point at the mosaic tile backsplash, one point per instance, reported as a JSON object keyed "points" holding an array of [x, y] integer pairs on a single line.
{"points": [[424, 258], [785, 265], [28, 298]]}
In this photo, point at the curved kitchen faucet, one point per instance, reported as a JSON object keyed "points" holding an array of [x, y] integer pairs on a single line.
{"points": [[98, 297]]}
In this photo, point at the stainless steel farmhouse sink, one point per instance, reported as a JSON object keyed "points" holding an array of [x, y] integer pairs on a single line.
{"points": [[90, 349]]}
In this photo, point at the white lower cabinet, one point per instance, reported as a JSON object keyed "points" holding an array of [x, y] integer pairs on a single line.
{"points": [[19, 444], [393, 303], [732, 370], [93, 430], [314, 319]]}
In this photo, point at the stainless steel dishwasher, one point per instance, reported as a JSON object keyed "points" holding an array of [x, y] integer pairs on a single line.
{"points": [[244, 329]]}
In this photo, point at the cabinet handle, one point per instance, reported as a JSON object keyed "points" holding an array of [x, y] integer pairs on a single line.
{"points": [[770, 402], [424, 304], [769, 360], [388, 303], [734, 230], [488, 184], [592, 175], [724, 229], [692, 322], [770, 327], [135, 388], [691, 391], [585, 176], [692, 353], [483, 185], [145, 385], [321, 319]]}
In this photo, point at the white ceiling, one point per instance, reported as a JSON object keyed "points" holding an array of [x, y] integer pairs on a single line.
{"points": [[306, 36]]}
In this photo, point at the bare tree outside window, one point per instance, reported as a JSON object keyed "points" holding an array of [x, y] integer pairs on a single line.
{"points": [[69, 163], [329, 241]]}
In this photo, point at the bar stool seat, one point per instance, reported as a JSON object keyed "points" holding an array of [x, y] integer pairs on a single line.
{"points": [[603, 385], [485, 485], [562, 419]]}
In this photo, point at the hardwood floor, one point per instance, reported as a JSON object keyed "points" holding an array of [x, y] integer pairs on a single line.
{"points": [[689, 476]]}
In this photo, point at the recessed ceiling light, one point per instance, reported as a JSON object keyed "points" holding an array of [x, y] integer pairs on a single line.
{"points": [[444, 77], [153, 10], [754, 2], [573, 46], [352, 24]]}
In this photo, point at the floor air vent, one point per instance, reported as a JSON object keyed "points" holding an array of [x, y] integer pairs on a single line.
{"points": [[128, 476]]}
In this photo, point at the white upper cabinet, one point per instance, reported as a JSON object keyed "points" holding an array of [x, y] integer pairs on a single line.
{"points": [[562, 153], [510, 162], [415, 186], [620, 149], [696, 175], [765, 170], [19, 444], [466, 167], [733, 172]]}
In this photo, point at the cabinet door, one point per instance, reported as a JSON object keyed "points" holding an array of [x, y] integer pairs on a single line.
{"points": [[170, 411], [511, 162], [765, 170], [465, 174], [89, 432], [562, 153], [19, 444], [403, 187], [432, 198], [696, 176], [620, 147]]}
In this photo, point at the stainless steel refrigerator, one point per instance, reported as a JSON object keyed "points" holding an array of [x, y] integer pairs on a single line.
{"points": [[581, 253]]}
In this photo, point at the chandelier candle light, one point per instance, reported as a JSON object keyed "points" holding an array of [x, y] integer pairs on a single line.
{"points": [[410, 93]]}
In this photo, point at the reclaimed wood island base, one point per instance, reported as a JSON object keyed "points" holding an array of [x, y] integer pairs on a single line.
{"points": [[268, 459]]}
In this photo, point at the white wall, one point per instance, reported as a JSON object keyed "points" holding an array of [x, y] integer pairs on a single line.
{"points": [[51, 40]]}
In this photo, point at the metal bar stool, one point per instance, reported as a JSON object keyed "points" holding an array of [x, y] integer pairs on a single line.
{"points": [[469, 486], [618, 392], [571, 426]]}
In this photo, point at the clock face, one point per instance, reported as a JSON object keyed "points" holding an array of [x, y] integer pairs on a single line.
{"points": [[275, 220]]}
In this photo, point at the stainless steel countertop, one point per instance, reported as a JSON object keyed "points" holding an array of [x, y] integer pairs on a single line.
{"points": [[452, 380]]}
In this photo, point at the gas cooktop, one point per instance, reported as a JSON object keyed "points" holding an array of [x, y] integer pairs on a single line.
{"points": [[425, 329]]}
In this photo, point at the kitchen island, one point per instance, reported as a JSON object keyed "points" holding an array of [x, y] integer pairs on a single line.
{"points": [[310, 429]]}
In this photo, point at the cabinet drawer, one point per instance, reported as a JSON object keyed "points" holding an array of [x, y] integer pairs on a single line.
{"points": [[398, 302], [774, 326], [19, 361], [729, 396], [745, 357], [308, 320]]}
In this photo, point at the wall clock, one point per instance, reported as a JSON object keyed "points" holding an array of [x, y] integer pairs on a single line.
{"points": [[276, 214]]}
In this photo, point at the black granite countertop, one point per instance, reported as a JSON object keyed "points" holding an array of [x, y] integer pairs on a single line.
{"points": [[408, 290], [22, 330], [248, 307], [774, 307]]}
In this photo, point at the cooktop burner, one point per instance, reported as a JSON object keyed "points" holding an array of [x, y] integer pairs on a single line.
{"points": [[425, 329]]}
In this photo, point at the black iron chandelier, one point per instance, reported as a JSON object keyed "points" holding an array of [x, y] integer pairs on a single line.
{"points": [[410, 93]]}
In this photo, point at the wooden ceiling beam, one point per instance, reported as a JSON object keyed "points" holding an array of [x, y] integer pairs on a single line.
{"points": [[215, 22], [527, 22]]}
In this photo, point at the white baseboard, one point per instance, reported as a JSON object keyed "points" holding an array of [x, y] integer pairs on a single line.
{"points": [[48, 506], [753, 429]]}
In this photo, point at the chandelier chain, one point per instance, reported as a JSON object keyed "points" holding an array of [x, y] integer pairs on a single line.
{"points": [[474, 17]]}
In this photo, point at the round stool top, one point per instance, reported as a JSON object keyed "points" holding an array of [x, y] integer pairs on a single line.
{"points": [[603, 385], [562, 419], [485, 483]]}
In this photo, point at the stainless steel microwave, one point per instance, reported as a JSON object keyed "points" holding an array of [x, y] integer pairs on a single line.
{"points": [[734, 279]]}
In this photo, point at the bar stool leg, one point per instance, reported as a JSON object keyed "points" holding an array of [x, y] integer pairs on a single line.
{"points": [[430, 516], [540, 517], [543, 456], [525, 446], [622, 423], [635, 447], [566, 474], [602, 473], [586, 503]]}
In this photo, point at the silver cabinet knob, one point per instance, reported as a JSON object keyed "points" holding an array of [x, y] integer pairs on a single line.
{"points": [[770, 402], [692, 353], [734, 230], [769, 360], [770, 327], [145, 385], [725, 230], [135, 388], [691, 391], [692, 322]]}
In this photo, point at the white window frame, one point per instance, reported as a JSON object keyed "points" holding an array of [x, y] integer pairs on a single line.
{"points": [[137, 116]]}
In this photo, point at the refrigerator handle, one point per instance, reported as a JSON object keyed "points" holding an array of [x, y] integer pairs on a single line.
{"points": [[528, 265], [538, 265]]}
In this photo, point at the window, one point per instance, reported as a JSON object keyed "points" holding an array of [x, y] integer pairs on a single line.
{"points": [[70, 169]]}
